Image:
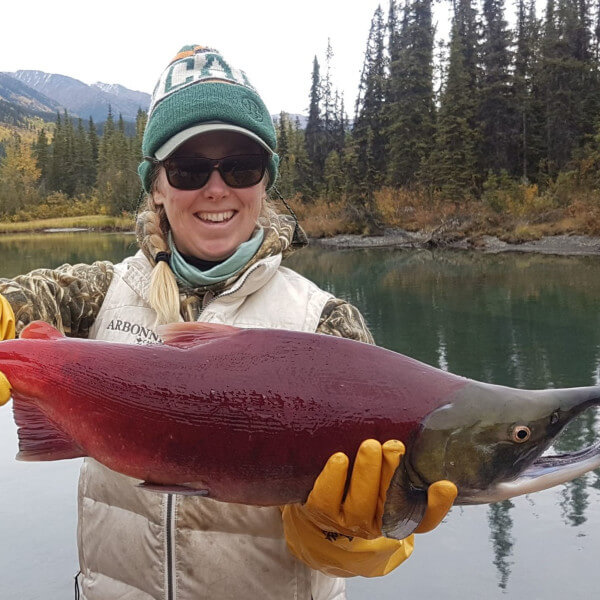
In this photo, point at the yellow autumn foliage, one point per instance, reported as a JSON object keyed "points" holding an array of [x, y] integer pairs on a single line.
{"points": [[19, 175]]}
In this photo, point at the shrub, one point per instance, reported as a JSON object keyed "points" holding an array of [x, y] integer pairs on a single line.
{"points": [[58, 204]]}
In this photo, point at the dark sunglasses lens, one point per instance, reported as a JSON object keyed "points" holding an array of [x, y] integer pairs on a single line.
{"points": [[243, 171], [188, 173]]}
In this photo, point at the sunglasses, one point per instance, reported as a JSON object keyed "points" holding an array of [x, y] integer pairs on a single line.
{"points": [[192, 172]]}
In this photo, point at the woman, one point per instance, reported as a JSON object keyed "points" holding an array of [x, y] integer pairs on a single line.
{"points": [[211, 250]]}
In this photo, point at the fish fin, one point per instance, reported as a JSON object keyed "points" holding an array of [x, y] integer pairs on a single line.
{"points": [[39, 438], [404, 506], [183, 489], [40, 330], [187, 335]]}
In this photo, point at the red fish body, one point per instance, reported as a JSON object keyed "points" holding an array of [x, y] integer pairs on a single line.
{"points": [[250, 416]]}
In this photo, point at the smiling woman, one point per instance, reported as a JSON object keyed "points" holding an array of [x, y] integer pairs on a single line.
{"points": [[211, 221], [211, 250]]}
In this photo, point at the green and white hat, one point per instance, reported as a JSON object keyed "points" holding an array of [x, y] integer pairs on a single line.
{"points": [[200, 92]]}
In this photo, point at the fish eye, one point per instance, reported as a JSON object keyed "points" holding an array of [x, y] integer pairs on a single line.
{"points": [[521, 434], [554, 418]]}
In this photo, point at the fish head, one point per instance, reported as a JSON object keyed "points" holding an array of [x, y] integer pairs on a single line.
{"points": [[490, 441]]}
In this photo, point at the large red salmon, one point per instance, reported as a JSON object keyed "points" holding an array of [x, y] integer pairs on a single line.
{"points": [[251, 415]]}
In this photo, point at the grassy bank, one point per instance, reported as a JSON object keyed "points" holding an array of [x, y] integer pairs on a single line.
{"points": [[524, 216], [95, 222]]}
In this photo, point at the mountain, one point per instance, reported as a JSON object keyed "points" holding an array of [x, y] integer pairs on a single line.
{"points": [[140, 98], [84, 100], [27, 93], [302, 119], [19, 101]]}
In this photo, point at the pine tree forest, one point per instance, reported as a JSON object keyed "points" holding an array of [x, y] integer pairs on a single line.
{"points": [[493, 124], [496, 121], [70, 169]]}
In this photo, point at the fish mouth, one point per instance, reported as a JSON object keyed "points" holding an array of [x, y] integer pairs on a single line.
{"points": [[545, 472]]}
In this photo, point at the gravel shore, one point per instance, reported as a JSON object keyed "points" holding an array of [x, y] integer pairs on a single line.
{"points": [[562, 245]]}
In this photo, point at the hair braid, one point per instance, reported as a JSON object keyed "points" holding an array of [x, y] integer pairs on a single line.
{"points": [[152, 229]]}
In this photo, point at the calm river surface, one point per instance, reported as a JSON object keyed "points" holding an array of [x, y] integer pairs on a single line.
{"points": [[519, 320]]}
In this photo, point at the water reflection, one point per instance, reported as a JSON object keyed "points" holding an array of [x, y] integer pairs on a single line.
{"points": [[22, 253], [501, 524], [581, 433]]}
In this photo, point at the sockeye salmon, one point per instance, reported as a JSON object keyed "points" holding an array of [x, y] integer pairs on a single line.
{"points": [[252, 415]]}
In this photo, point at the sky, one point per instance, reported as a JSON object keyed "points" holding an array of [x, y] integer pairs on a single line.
{"points": [[131, 42]]}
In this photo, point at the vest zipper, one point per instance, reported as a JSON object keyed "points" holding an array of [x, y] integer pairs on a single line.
{"points": [[232, 290], [170, 552]]}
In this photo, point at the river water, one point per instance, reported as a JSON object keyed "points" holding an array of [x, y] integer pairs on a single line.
{"points": [[519, 320]]}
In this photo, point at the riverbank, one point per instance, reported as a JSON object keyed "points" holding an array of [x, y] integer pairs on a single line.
{"points": [[561, 245], [62, 224], [534, 224]]}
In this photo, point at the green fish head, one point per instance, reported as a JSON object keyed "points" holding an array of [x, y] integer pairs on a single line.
{"points": [[489, 439]]}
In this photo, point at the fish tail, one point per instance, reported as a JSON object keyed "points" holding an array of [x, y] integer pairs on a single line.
{"points": [[39, 438]]}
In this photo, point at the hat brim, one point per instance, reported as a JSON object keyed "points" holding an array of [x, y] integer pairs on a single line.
{"points": [[183, 136]]}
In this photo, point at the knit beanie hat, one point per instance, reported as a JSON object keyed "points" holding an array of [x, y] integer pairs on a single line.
{"points": [[199, 92]]}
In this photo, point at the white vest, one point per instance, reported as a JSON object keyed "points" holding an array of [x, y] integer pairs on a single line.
{"points": [[142, 545]]}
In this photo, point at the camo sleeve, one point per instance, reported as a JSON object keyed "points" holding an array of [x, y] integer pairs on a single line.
{"points": [[68, 297], [344, 320]]}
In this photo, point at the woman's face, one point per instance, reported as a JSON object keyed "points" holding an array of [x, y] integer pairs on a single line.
{"points": [[210, 223]]}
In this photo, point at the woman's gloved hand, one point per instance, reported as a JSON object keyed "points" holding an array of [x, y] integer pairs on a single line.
{"points": [[7, 332], [5, 389], [343, 536], [7, 320]]}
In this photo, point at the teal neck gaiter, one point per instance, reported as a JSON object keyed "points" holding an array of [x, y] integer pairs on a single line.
{"points": [[194, 277]]}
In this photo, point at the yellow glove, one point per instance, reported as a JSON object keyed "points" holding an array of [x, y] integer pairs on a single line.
{"points": [[7, 320], [343, 538], [5, 389], [7, 332]]}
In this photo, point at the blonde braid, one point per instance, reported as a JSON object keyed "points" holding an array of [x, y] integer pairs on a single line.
{"points": [[152, 229]]}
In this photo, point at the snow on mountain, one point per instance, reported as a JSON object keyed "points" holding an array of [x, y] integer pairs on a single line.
{"points": [[84, 100], [19, 101]]}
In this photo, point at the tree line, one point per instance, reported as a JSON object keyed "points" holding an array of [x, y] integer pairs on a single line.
{"points": [[73, 162], [492, 107]]}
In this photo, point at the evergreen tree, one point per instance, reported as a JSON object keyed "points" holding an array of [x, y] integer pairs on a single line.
{"points": [[140, 125], [62, 175], [333, 176], [299, 162], [285, 182], [314, 132], [85, 171], [453, 163], [93, 137], [329, 116], [69, 173], [123, 161], [283, 145], [566, 82], [42, 157], [368, 132], [57, 156], [529, 113], [340, 125], [410, 110], [498, 119], [107, 168]]}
